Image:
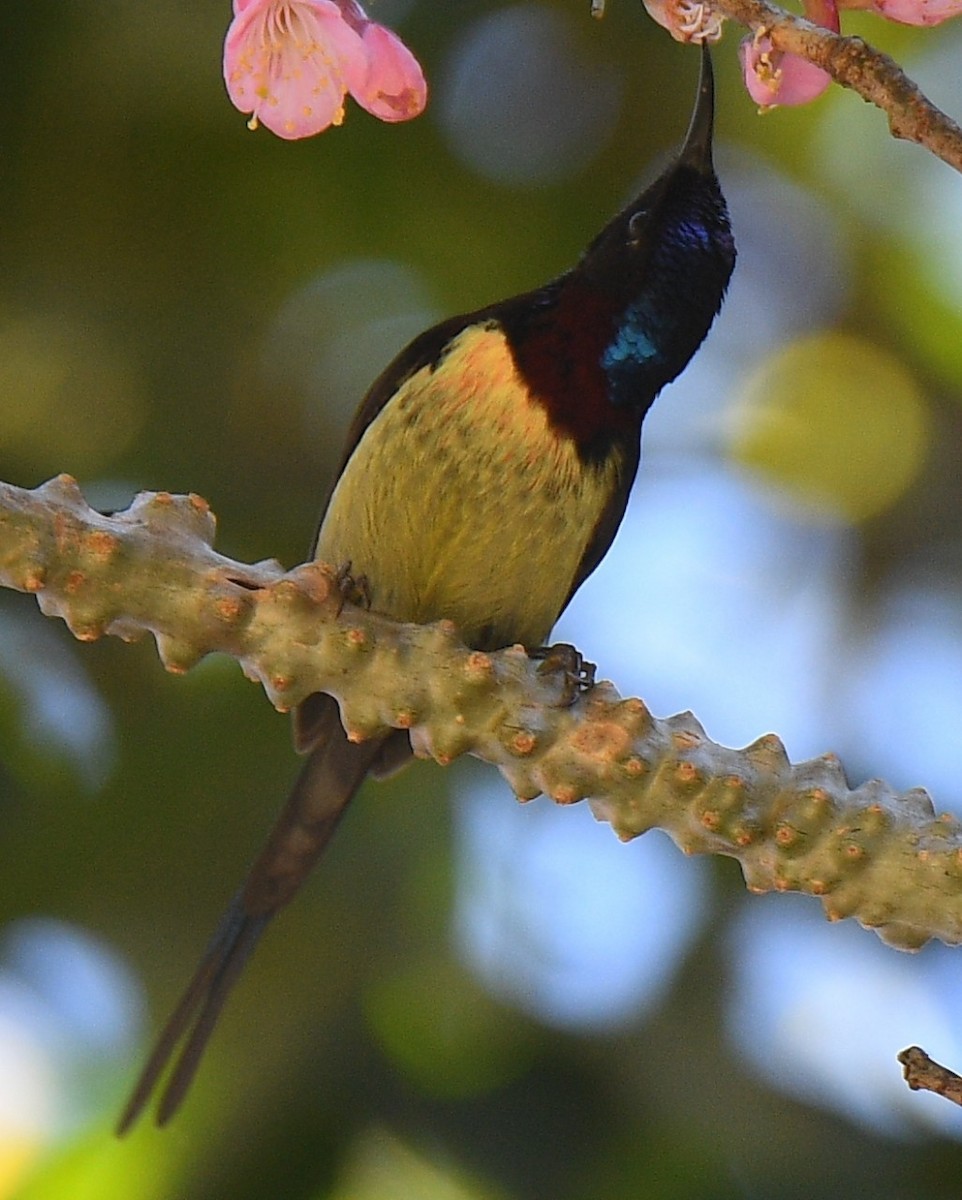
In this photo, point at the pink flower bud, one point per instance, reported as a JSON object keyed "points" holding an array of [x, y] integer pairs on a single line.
{"points": [[774, 77], [394, 89]]}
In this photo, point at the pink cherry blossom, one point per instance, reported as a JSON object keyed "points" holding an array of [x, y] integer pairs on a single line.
{"points": [[290, 64], [687, 20], [918, 12], [775, 77]]}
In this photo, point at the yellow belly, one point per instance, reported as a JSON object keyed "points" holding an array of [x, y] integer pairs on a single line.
{"points": [[459, 501]]}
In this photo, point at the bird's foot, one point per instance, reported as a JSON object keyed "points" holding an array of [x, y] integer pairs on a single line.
{"points": [[354, 589], [578, 675]]}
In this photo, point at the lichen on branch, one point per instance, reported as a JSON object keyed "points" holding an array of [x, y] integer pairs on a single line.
{"points": [[882, 857]]}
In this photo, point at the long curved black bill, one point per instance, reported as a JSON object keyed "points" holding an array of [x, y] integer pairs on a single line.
{"points": [[696, 151]]}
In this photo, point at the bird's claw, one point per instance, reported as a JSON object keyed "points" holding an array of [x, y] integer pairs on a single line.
{"points": [[578, 675], [354, 589]]}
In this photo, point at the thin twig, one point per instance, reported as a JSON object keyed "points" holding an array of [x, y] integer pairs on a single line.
{"points": [[855, 64], [925, 1074]]}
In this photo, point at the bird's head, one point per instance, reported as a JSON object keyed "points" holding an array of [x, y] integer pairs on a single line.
{"points": [[664, 263]]}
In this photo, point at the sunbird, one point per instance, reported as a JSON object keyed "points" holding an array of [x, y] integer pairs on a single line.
{"points": [[485, 475]]}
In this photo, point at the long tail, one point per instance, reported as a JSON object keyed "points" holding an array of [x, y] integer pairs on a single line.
{"points": [[330, 777]]}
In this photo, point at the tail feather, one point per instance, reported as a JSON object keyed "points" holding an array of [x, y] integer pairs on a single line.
{"points": [[205, 995], [330, 777]]}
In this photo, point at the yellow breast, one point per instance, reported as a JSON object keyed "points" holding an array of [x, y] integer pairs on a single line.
{"points": [[460, 501]]}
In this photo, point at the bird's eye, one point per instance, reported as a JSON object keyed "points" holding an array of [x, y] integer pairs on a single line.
{"points": [[636, 225]]}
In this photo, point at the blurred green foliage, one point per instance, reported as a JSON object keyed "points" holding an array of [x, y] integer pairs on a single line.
{"points": [[838, 420], [147, 243]]}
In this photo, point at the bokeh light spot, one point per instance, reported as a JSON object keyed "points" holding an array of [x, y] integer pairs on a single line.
{"points": [[447, 1036], [557, 918], [69, 1009], [382, 1167], [58, 719], [68, 399], [522, 103], [334, 333], [820, 1011], [28, 1098], [911, 203], [835, 421], [915, 654]]}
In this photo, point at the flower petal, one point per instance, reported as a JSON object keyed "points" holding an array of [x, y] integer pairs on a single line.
{"points": [[773, 77], [776, 77], [687, 20], [918, 12], [394, 88], [290, 62]]}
